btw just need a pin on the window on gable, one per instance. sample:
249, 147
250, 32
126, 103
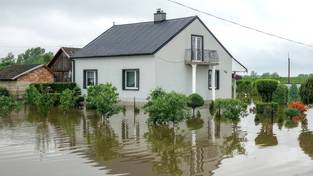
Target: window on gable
197, 47
217, 79
130, 79
90, 78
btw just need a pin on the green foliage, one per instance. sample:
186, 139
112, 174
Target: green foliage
194, 123
294, 93
104, 97
230, 108
266, 88
7, 105
4, 92
291, 112
58, 87
34, 56
306, 91
67, 100
166, 107
31, 95
7, 61
244, 89
41, 98
212, 108
195, 101
280, 95
266, 108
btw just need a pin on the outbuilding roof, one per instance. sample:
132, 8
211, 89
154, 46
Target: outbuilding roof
134, 39
14, 71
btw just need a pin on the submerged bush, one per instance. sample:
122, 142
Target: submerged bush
41, 98
4, 92
195, 101
164, 107
297, 105
266, 108
306, 91
294, 93
230, 108
7, 105
104, 97
266, 88
292, 112
67, 100
280, 95
195, 123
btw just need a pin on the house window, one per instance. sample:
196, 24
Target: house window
217, 79
130, 79
197, 47
90, 78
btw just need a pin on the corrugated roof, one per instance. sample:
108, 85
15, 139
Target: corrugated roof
10, 72
134, 39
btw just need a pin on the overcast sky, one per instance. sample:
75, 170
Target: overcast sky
52, 23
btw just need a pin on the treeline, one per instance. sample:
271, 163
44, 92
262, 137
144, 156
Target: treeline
301, 78
36, 55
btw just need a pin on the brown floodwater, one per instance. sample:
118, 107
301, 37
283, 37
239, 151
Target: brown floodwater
80, 143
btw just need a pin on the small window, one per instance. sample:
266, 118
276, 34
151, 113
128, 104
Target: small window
217, 79
131, 79
197, 47
90, 78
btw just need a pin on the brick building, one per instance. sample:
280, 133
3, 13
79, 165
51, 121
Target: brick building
16, 78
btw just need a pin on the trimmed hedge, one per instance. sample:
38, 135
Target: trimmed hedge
280, 96
4, 92
266, 88
194, 101
266, 108
55, 87
306, 91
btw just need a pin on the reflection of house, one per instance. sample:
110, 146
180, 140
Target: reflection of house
178, 54
16, 78
61, 64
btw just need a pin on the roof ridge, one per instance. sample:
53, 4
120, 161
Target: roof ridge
153, 21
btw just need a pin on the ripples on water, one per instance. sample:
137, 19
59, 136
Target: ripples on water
79, 143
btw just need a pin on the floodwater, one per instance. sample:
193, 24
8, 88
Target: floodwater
80, 143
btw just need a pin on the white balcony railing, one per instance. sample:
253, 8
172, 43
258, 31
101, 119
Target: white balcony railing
210, 57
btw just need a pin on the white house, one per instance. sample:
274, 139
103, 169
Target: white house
178, 54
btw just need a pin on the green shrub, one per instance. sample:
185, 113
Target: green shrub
294, 93
230, 108
306, 91
166, 107
4, 92
291, 112
104, 97
280, 95
244, 89
195, 101
67, 100
266, 88
40, 98
7, 105
266, 108
212, 108
56, 87
195, 123
31, 95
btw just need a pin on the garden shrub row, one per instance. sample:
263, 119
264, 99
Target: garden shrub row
266, 108
55, 87
230, 108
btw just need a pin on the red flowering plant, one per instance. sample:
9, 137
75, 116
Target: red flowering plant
297, 105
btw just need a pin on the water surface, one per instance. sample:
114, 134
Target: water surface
81, 143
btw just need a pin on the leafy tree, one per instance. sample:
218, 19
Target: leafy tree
34, 56
7, 61
266, 88
280, 95
104, 97
166, 107
306, 91
67, 100
294, 93
195, 101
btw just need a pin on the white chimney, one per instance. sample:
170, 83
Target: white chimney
159, 16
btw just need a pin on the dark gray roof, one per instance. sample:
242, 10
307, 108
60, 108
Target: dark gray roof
10, 72
134, 39
70, 51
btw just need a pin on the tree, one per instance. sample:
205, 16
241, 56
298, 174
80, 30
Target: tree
306, 91
34, 56
195, 100
266, 88
104, 97
294, 93
280, 95
7, 61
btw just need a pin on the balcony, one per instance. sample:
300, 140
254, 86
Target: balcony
210, 57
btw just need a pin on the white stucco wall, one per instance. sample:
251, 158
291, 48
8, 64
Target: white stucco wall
166, 69
110, 70
173, 74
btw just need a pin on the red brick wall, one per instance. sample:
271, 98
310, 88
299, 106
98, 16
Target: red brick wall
41, 75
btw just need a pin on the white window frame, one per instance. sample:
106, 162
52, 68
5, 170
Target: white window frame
94, 77
135, 79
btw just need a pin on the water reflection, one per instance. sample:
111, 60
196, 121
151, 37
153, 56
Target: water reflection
266, 136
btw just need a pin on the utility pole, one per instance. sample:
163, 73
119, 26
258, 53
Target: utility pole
288, 68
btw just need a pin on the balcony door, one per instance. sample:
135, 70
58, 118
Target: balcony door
197, 48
